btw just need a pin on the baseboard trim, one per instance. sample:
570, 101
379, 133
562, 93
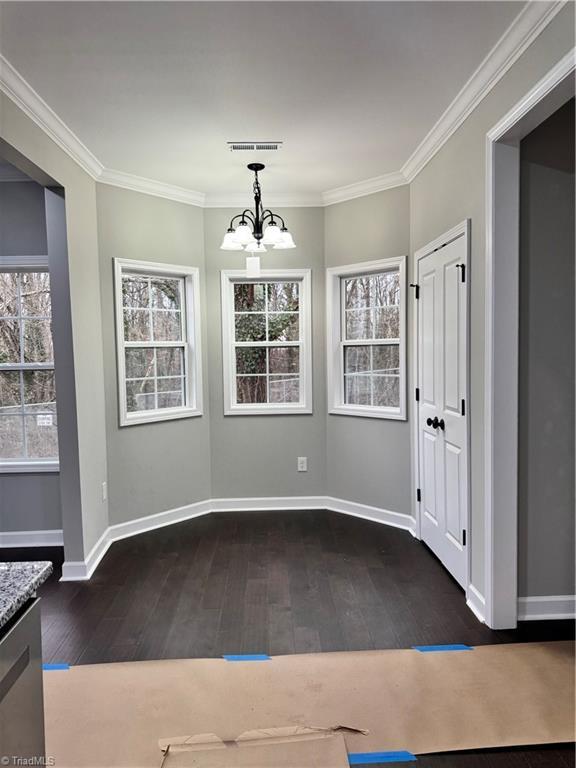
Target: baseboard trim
159, 520
546, 607
50, 538
268, 503
82, 570
373, 514
477, 603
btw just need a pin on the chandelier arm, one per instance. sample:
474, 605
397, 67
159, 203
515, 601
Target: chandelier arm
247, 214
268, 214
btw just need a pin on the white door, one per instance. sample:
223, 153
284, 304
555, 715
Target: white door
442, 407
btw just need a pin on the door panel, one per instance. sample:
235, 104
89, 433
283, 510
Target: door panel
430, 470
428, 292
452, 455
443, 452
451, 337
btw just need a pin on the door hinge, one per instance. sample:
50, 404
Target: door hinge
416, 290
418, 495
417, 393
463, 273
463, 408
463, 537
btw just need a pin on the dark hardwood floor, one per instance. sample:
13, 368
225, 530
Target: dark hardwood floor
276, 583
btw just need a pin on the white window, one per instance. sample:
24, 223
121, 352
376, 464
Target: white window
366, 339
158, 341
28, 418
266, 339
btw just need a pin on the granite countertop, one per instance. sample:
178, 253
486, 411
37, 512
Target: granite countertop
18, 583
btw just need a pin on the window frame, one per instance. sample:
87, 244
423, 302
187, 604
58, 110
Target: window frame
335, 342
229, 277
37, 263
191, 343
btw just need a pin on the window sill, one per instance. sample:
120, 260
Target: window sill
151, 417
29, 467
368, 412
290, 410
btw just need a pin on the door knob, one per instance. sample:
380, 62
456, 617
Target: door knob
435, 423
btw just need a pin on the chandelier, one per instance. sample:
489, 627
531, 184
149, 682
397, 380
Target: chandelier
247, 231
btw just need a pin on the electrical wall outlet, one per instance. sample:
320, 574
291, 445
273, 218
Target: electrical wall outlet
302, 464
104, 491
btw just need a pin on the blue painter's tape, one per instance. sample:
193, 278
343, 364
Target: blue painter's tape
432, 648
54, 667
371, 758
246, 657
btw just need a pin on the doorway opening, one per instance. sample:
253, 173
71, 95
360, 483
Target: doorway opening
39, 473
502, 311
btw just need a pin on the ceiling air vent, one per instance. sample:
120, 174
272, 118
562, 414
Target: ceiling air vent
254, 146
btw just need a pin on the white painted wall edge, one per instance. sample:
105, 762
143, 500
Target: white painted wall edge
49, 538
81, 570
544, 607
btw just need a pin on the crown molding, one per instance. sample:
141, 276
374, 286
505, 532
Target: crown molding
151, 187
363, 188
288, 200
523, 30
25, 97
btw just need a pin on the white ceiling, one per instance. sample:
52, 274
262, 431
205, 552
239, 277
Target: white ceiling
156, 89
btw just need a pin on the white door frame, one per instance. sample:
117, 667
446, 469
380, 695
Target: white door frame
463, 228
501, 337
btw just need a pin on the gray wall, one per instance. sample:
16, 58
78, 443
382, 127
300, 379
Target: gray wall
256, 455
368, 460
546, 381
22, 219
159, 466
451, 188
28, 502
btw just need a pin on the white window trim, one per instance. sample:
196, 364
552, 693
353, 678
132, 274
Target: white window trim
31, 466
335, 373
231, 408
193, 349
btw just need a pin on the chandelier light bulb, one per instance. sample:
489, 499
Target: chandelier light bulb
272, 235
244, 234
229, 243
286, 242
255, 247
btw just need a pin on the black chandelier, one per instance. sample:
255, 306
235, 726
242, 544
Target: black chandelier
252, 231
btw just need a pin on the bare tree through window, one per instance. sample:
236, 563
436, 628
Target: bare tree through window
267, 341
28, 417
154, 342
371, 339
